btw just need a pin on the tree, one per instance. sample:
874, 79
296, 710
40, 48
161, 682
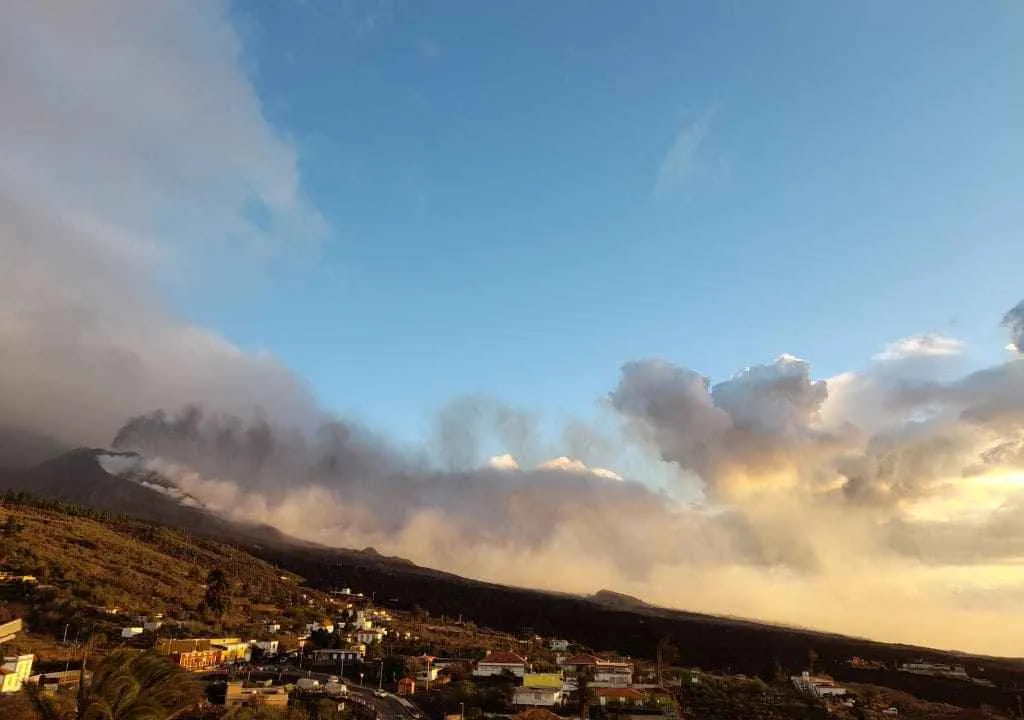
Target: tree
218, 592
667, 655
812, 660
773, 672
583, 693
129, 686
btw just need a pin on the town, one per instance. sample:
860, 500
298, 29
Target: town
89, 599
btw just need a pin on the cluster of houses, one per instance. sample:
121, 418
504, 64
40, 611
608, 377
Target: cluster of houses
610, 680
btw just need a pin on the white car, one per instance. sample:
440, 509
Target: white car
380, 693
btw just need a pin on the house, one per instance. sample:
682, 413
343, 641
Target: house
152, 625
193, 654
539, 690
428, 674
239, 694
335, 656
819, 686
232, 649
603, 673
536, 697
890, 711
619, 696
272, 627
268, 647
327, 625
406, 686
14, 672
368, 637
500, 662
131, 631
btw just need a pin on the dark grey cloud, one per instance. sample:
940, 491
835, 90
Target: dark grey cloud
1014, 322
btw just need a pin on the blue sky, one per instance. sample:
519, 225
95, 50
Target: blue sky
523, 196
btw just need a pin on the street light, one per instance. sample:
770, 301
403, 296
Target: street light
462, 711
360, 679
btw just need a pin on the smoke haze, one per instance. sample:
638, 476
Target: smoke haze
887, 501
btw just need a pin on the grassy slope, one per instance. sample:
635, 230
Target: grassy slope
85, 558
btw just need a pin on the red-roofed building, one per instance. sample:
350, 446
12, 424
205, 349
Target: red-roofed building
619, 696
499, 662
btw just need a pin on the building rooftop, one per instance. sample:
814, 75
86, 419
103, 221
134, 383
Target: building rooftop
504, 658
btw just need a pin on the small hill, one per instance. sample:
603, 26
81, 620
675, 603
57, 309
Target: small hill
610, 598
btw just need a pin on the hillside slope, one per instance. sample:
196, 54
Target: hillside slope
86, 561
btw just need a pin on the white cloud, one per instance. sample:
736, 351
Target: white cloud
503, 462
920, 346
678, 163
134, 150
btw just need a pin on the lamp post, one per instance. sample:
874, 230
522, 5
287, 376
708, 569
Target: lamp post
360, 679
462, 711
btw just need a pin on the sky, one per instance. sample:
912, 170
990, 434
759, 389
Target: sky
512, 189
731, 292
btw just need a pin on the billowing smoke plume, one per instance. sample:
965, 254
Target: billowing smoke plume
1014, 321
761, 420
882, 502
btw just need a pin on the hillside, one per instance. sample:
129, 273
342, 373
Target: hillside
90, 563
77, 477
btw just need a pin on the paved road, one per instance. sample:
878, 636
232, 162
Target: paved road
386, 706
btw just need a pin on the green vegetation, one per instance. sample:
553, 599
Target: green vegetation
127, 685
90, 564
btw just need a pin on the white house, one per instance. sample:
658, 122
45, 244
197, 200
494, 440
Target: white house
499, 662
327, 625
369, 636
817, 686
559, 645
131, 631
152, 625
536, 696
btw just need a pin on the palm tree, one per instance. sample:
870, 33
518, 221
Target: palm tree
130, 686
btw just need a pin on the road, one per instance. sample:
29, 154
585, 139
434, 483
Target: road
386, 706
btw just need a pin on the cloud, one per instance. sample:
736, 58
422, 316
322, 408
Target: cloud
762, 420
678, 164
920, 346
1014, 322
503, 462
134, 151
